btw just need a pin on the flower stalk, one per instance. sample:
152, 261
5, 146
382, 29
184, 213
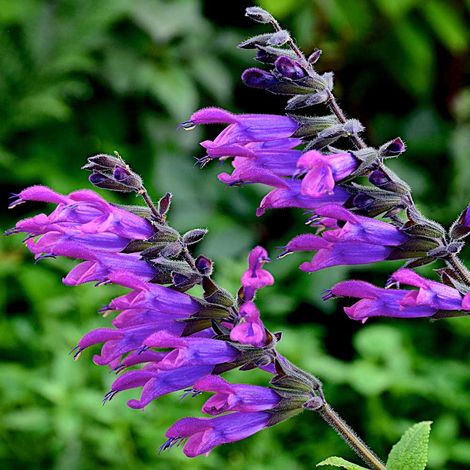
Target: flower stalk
350, 437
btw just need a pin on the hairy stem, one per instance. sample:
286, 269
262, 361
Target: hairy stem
350, 437
145, 195
456, 264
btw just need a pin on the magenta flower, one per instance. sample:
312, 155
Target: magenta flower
291, 196
82, 213
250, 328
203, 434
256, 277
146, 310
156, 382
191, 350
401, 303
361, 240
246, 128
323, 171
235, 397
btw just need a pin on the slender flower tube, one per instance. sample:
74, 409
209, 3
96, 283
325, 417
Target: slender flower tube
203, 434
83, 211
235, 397
146, 310
361, 240
401, 303
246, 128
291, 196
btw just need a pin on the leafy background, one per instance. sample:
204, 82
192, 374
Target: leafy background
79, 77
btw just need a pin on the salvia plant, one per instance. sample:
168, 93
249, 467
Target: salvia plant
167, 338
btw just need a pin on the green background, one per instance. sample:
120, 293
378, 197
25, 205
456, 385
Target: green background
79, 77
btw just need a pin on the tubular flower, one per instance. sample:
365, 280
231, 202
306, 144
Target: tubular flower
82, 214
147, 309
430, 297
245, 128
361, 240
235, 397
203, 434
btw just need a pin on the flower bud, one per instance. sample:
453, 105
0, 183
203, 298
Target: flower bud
258, 14
125, 176
461, 227
104, 182
204, 265
164, 204
289, 68
257, 78
315, 56
102, 162
194, 236
392, 149
184, 281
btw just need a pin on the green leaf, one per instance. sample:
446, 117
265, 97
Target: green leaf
339, 462
411, 451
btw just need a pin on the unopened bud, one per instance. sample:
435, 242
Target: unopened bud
257, 78
258, 14
392, 149
125, 176
194, 236
315, 56
104, 182
102, 162
289, 68
183, 281
164, 204
204, 265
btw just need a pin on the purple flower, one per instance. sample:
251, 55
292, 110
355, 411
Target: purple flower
361, 240
258, 78
292, 196
401, 303
289, 68
323, 171
156, 382
256, 277
246, 128
203, 434
99, 267
235, 397
147, 310
81, 213
191, 350
250, 328
359, 228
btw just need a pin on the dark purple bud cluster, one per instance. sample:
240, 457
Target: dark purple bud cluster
110, 172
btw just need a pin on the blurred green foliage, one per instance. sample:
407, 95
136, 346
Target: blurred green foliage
78, 77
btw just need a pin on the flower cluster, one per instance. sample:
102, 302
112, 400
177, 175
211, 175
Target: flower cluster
296, 155
165, 339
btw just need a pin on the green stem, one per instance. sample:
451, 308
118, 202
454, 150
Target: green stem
350, 437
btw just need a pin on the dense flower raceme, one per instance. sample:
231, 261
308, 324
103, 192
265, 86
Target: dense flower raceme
426, 301
150, 330
264, 151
